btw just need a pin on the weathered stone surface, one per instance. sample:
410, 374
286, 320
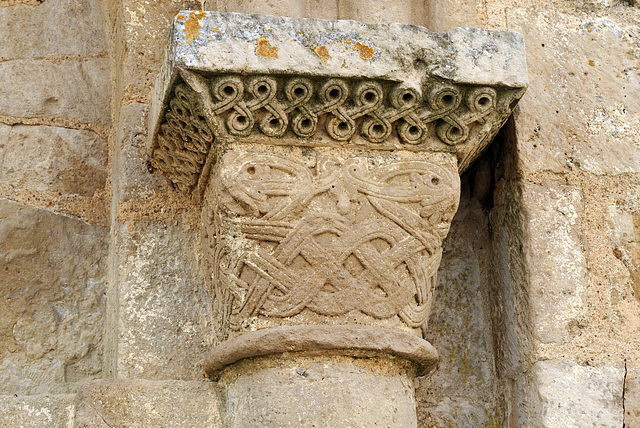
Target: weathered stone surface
318, 339
51, 299
78, 90
162, 303
133, 180
37, 411
632, 399
571, 395
582, 111
143, 403
313, 392
54, 28
52, 158
461, 391
623, 220
554, 254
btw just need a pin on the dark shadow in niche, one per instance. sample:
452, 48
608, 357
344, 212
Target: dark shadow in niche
472, 322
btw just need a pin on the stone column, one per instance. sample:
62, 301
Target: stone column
326, 158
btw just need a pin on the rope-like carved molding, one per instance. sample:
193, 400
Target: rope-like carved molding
293, 110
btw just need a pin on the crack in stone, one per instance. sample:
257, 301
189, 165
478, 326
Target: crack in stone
624, 388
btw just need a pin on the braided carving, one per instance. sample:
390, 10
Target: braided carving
274, 106
339, 237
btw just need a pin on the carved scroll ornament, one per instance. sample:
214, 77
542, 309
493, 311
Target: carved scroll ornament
362, 113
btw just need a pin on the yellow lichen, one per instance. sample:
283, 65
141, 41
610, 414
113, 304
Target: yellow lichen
366, 52
192, 25
323, 53
265, 50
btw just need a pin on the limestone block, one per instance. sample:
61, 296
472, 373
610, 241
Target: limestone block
52, 158
555, 258
161, 302
53, 28
133, 180
376, 12
52, 296
577, 396
632, 399
623, 221
143, 403
37, 411
5, 130
76, 90
330, 391
582, 109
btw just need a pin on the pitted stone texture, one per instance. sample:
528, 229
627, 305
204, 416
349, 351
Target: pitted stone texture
555, 259
571, 395
134, 180
582, 111
73, 90
52, 299
632, 398
201, 41
461, 392
322, 237
37, 411
162, 303
55, 159
54, 28
318, 392
318, 340
144, 403
623, 221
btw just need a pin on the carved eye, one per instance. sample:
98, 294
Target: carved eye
369, 96
448, 99
435, 181
228, 90
251, 170
483, 101
407, 97
298, 91
262, 89
343, 126
334, 93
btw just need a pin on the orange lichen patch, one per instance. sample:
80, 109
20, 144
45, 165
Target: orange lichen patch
366, 52
265, 50
323, 53
591, 63
348, 41
181, 17
192, 25
215, 30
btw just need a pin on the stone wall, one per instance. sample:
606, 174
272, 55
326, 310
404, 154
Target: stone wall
537, 313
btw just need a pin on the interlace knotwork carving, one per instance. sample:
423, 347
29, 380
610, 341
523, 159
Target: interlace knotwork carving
338, 237
184, 139
373, 109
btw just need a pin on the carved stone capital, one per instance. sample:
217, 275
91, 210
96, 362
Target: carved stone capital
327, 157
